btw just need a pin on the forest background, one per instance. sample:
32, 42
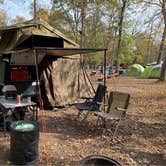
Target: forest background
133, 31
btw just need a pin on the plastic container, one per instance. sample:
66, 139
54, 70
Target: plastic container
18, 99
24, 142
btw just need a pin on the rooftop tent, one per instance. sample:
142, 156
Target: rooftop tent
32, 33
56, 55
134, 70
19, 39
152, 71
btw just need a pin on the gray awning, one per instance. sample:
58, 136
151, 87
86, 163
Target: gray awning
66, 51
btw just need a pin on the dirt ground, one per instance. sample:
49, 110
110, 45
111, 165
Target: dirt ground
66, 141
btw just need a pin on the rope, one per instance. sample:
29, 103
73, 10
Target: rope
86, 76
115, 80
41, 109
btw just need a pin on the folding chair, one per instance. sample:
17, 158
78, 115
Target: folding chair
92, 104
116, 109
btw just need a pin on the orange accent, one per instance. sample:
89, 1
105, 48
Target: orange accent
18, 99
45, 138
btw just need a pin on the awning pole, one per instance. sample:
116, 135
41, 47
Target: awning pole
38, 91
105, 63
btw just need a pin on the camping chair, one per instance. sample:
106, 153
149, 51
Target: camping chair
92, 104
116, 109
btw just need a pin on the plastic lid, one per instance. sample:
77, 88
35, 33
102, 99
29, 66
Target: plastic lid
24, 126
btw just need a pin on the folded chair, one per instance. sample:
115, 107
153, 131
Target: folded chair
92, 104
116, 110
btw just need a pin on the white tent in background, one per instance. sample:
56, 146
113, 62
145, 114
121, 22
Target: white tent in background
154, 63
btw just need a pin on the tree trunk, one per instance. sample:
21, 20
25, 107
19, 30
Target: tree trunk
162, 49
163, 11
149, 46
83, 8
161, 46
120, 33
34, 8
163, 69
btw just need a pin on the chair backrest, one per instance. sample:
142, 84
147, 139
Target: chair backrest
100, 92
118, 100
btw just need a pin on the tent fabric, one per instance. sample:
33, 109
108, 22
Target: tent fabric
134, 70
155, 63
152, 72
37, 27
13, 36
65, 83
2, 70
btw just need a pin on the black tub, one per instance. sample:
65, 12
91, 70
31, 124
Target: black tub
97, 160
24, 142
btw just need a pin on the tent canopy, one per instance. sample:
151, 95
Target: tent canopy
152, 71
32, 33
21, 39
36, 34
66, 51
134, 70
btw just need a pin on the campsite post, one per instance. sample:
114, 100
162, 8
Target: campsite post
38, 92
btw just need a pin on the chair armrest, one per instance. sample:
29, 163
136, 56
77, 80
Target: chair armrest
101, 103
87, 99
121, 109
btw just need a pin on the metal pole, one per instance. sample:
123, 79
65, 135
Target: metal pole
105, 63
38, 91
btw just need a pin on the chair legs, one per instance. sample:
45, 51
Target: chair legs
103, 121
97, 122
116, 128
85, 117
113, 131
79, 114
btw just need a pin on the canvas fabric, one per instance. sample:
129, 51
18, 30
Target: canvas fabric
65, 82
12, 36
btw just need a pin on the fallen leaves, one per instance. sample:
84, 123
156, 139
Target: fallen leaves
142, 143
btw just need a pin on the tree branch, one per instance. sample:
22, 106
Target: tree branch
151, 3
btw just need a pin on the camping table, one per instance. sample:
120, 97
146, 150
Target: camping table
7, 104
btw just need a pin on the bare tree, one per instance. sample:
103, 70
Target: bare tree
163, 11
34, 8
161, 4
163, 69
120, 26
83, 14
